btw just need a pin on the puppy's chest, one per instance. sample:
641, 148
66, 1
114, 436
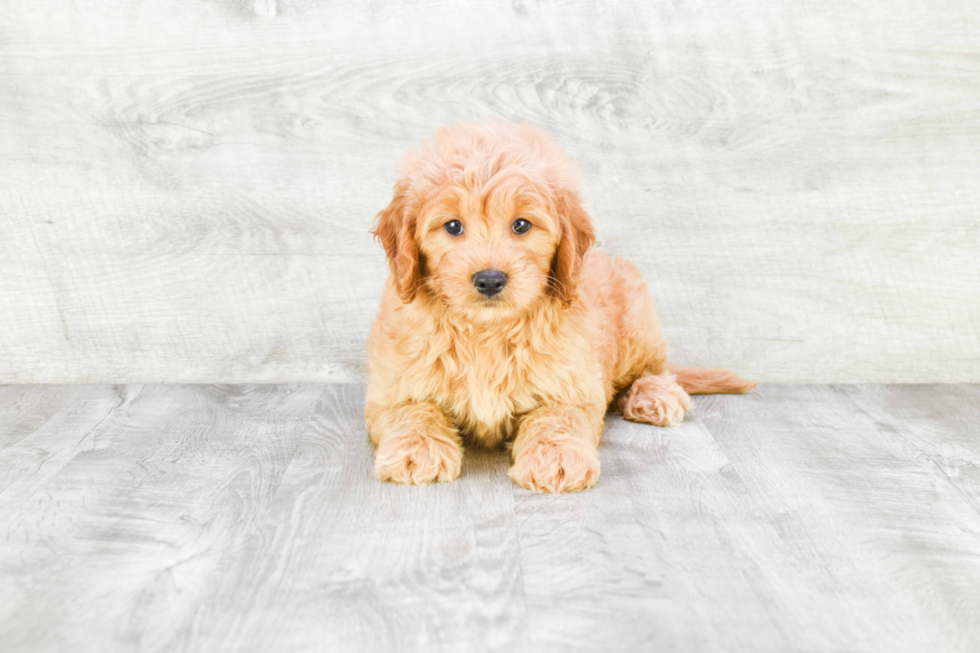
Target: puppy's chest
486, 391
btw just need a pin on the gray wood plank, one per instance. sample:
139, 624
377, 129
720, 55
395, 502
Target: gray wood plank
778, 521
41, 426
141, 505
342, 561
187, 187
860, 516
245, 518
25, 409
942, 422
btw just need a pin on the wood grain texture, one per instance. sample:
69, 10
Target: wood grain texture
186, 187
245, 518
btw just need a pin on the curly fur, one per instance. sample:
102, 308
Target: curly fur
539, 363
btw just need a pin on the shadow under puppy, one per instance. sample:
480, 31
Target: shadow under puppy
499, 322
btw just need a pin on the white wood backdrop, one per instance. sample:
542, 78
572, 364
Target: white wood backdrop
187, 185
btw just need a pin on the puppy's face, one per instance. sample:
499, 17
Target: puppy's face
489, 241
488, 252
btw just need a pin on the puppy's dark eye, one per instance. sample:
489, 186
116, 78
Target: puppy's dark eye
521, 226
454, 227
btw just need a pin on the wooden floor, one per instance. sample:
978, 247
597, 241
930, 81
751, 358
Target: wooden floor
245, 518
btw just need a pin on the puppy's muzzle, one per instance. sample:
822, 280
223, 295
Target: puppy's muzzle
489, 282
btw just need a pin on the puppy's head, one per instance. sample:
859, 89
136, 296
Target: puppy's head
486, 219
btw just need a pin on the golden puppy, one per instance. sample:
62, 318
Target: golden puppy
499, 323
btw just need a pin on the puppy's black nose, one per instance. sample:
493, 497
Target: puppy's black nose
489, 282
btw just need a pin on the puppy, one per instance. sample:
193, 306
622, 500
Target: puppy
499, 323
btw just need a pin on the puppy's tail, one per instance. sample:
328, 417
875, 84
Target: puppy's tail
709, 380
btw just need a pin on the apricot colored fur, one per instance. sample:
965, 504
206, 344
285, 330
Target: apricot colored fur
538, 364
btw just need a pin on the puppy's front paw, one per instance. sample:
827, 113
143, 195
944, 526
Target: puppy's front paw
656, 400
417, 459
556, 465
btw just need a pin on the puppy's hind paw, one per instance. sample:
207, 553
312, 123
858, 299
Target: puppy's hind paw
656, 400
417, 459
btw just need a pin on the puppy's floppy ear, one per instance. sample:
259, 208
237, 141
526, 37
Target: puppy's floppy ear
577, 236
395, 228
